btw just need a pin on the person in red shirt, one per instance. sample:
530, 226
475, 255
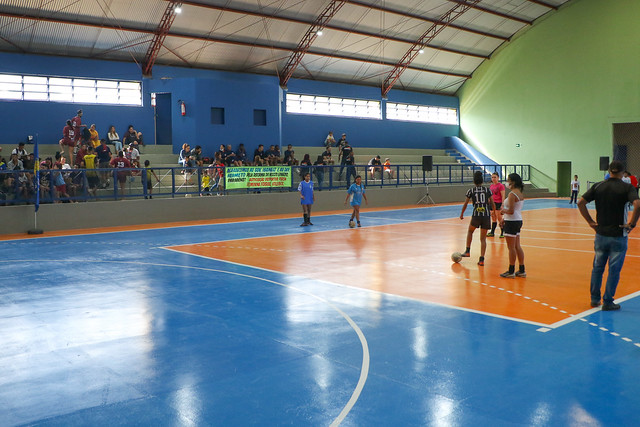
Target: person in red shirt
121, 162
634, 181
76, 122
68, 140
80, 154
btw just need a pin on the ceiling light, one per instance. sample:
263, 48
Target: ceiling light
421, 51
319, 33
178, 9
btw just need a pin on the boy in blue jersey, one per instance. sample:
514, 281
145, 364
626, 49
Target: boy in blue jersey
356, 193
305, 188
483, 205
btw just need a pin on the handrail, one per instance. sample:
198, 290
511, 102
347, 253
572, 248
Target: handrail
17, 187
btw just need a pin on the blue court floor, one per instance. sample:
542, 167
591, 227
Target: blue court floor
115, 329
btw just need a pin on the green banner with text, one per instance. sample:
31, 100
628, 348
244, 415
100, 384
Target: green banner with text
257, 177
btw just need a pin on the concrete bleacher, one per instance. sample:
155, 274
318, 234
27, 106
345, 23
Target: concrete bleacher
161, 156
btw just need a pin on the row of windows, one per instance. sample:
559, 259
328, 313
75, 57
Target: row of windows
60, 89
368, 109
90, 91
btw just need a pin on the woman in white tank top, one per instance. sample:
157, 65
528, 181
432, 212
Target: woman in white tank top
512, 223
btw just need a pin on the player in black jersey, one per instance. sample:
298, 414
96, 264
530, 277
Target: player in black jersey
481, 218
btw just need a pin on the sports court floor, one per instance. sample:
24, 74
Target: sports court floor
263, 322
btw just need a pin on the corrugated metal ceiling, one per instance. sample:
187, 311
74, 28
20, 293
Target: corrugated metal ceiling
360, 44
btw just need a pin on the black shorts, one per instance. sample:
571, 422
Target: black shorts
498, 205
512, 228
93, 180
483, 222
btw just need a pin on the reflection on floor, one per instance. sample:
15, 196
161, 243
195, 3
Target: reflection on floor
264, 322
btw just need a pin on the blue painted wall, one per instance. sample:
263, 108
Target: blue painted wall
22, 118
305, 130
239, 94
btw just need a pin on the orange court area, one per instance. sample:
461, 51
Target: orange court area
413, 260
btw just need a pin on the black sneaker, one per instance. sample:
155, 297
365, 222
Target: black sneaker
610, 306
521, 274
309, 223
508, 275
465, 254
595, 303
304, 224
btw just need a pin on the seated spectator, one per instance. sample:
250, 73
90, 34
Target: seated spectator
130, 137
183, 157
197, 155
231, 158
329, 140
306, 161
259, 156
94, 139
140, 140
292, 158
223, 152
81, 153
375, 166
75, 182
241, 156
114, 138
287, 154
326, 156
45, 182
30, 163
277, 155
15, 163
133, 155
387, 168
271, 157
21, 152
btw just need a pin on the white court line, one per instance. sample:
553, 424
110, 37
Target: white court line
364, 370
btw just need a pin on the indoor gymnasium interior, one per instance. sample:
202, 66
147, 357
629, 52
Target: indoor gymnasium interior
187, 296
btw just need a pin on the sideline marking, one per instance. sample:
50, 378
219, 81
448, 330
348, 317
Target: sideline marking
364, 370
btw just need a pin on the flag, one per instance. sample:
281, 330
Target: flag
36, 171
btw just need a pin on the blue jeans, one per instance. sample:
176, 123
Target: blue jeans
613, 250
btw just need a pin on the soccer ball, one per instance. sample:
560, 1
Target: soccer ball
456, 257
352, 224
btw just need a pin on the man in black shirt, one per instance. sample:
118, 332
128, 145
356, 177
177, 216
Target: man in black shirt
345, 152
612, 228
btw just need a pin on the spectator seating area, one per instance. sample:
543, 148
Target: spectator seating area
449, 167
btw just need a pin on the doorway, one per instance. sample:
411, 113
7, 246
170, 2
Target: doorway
163, 119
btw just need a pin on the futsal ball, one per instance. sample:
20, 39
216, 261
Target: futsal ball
352, 224
456, 257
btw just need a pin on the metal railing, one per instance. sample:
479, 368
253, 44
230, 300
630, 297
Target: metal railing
18, 187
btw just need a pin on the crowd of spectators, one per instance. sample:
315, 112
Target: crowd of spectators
70, 175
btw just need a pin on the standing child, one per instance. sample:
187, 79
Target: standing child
147, 176
575, 189
498, 192
355, 193
512, 223
481, 217
305, 188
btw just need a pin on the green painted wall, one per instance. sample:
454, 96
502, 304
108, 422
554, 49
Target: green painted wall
557, 89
